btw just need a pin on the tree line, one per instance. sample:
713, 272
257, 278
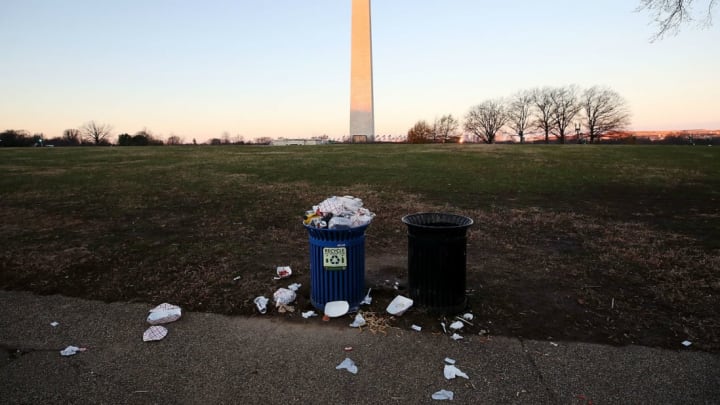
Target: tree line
547, 111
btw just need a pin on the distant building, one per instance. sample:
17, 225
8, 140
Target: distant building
301, 142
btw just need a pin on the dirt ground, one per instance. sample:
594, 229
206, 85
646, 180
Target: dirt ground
531, 273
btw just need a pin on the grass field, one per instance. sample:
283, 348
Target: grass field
612, 244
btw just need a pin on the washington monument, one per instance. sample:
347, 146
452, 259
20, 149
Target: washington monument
362, 118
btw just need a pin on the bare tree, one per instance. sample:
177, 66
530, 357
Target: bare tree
669, 15
485, 120
445, 127
542, 101
519, 113
174, 140
605, 111
71, 136
565, 107
95, 132
421, 132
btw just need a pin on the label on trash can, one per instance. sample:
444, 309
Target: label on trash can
335, 258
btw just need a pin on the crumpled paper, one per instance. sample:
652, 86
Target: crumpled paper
349, 365
261, 304
164, 313
72, 350
443, 395
358, 322
451, 372
154, 333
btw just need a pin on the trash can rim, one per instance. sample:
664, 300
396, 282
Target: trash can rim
462, 221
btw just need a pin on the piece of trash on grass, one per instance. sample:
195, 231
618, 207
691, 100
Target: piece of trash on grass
448, 360
457, 325
468, 317
154, 333
294, 286
368, 299
164, 313
483, 332
443, 326
54, 324
416, 328
349, 365
455, 336
283, 272
308, 314
237, 278
72, 350
399, 305
396, 285
554, 344
348, 348
686, 343
282, 308
443, 395
283, 296
450, 372
463, 320
334, 309
261, 304
358, 322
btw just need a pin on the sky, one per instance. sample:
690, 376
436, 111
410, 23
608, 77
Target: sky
281, 68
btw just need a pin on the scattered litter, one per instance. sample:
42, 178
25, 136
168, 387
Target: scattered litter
164, 313
282, 308
368, 299
686, 343
358, 322
457, 325
396, 285
155, 333
553, 344
349, 365
261, 304
455, 336
443, 326
468, 316
443, 395
451, 372
294, 286
416, 328
334, 309
399, 305
283, 272
283, 296
348, 348
71, 350
464, 320
448, 360
483, 332
237, 278
309, 314
54, 324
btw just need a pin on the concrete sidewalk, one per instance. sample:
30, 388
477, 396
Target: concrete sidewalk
214, 359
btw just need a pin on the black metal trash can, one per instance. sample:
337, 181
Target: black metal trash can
437, 258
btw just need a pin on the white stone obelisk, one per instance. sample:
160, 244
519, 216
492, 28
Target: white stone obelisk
362, 117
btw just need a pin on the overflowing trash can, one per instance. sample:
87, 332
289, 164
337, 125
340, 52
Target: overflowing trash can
336, 229
437, 259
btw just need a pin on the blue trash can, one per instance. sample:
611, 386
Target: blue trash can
337, 266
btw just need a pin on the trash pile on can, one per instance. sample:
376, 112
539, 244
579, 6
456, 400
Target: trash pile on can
338, 213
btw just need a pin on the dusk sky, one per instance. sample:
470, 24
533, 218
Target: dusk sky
281, 68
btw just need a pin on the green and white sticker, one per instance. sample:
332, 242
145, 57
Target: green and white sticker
335, 258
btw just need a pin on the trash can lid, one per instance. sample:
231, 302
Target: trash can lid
437, 220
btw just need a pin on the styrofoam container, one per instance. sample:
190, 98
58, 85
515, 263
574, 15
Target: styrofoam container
399, 305
333, 309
